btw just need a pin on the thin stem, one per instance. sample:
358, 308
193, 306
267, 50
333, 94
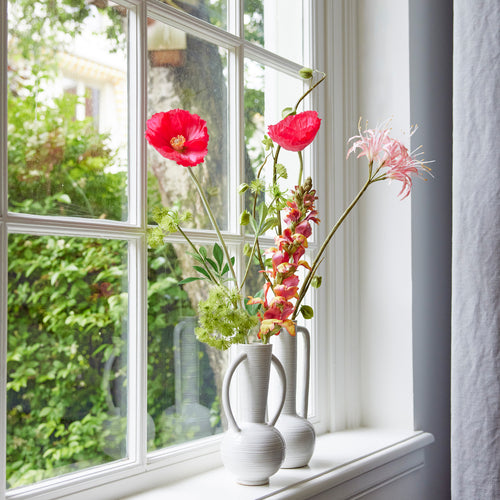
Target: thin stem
212, 277
316, 262
310, 90
275, 181
214, 224
301, 167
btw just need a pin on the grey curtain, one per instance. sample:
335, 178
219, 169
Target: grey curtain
475, 394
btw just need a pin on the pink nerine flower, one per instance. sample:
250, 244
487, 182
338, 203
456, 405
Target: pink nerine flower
389, 156
372, 144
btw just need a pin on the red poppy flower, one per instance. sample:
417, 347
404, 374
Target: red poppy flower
179, 136
295, 132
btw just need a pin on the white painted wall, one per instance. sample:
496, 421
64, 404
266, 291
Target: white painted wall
384, 222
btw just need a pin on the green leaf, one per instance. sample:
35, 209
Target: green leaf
196, 257
269, 224
203, 252
203, 271
281, 171
213, 264
188, 280
218, 254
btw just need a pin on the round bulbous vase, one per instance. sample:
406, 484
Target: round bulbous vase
296, 430
252, 449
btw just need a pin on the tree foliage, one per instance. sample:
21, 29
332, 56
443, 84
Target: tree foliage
68, 295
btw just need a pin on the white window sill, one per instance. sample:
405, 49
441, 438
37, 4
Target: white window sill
371, 457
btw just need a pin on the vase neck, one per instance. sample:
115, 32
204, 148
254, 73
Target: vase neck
285, 349
253, 381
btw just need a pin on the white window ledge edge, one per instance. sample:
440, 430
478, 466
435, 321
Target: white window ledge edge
346, 463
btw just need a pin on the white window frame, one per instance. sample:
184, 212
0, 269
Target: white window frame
202, 454
354, 462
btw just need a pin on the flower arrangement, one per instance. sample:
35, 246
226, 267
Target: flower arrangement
226, 317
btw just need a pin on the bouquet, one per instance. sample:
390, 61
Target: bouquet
226, 316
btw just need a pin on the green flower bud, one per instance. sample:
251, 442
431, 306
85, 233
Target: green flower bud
306, 73
244, 218
247, 249
287, 111
316, 282
243, 187
307, 312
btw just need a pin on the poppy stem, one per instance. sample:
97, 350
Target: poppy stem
301, 167
310, 90
275, 181
214, 224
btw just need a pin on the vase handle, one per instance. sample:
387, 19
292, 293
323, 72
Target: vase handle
307, 349
282, 376
225, 391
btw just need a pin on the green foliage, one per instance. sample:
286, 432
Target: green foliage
67, 305
56, 164
67, 296
254, 21
222, 323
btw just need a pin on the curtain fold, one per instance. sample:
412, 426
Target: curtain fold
475, 392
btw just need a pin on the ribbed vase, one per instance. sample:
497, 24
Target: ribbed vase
252, 449
296, 430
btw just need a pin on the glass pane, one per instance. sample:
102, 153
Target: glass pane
276, 26
188, 73
67, 108
184, 375
267, 92
211, 11
66, 359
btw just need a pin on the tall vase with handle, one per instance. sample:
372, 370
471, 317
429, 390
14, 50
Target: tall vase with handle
296, 430
253, 450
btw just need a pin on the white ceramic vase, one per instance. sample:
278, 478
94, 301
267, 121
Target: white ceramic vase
296, 430
252, 449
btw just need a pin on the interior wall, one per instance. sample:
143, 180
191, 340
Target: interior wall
384, 222
431, 78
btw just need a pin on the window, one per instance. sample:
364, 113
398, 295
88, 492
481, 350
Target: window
103, 375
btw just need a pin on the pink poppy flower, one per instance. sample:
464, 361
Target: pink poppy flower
179, 136
295, 132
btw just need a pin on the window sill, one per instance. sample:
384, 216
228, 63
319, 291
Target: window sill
373, 457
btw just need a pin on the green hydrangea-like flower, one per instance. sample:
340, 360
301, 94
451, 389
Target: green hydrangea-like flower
222, 323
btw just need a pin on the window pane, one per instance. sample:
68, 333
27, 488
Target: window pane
67, 109
188, 73
267, 92
184, 375
66, 360
276, 26
211, 11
